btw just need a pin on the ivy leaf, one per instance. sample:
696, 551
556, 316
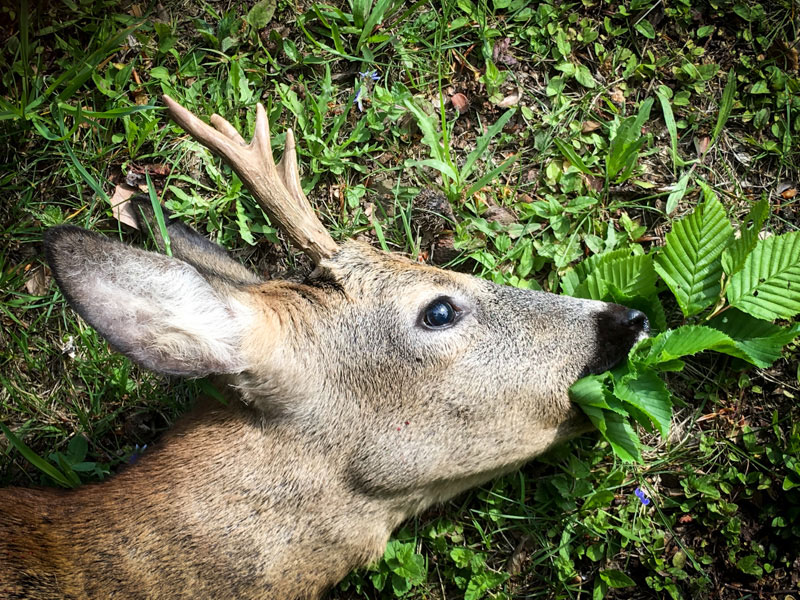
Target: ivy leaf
689, 263
768, 284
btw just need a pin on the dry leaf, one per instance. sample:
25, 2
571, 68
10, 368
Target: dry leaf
38, 282
701, 144
589, 126
617, 97
459, 102
509, 101
786, 190
121, 207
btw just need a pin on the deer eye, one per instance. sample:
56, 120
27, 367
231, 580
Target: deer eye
439, 314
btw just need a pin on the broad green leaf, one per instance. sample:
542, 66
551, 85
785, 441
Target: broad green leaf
569, 153
689, 263
592, 391
616, 579
632, 276
735, 254
689, 340
647, 392
677, 193
623, 439
444, 168
576, 275
768, 284
761, 340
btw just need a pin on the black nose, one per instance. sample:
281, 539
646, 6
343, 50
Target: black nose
635, 319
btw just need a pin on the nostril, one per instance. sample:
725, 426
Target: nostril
636, 319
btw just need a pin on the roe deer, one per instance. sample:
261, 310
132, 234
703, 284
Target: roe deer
373, 389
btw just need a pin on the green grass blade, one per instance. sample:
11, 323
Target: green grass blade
768, 284
36, 460
689, 263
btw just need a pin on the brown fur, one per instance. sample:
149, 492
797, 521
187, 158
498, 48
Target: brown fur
346, 416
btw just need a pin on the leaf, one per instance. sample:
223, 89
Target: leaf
616, 579
677, 193
632, 276
647, 392
735, 254
672, 128
646, 29
623, 439
569, 153
768, 284
725, 107
761, 340
689, 340
36, 460
584, 76
689, 263
482, 143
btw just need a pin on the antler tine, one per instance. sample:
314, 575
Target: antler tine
288, 170
275, 187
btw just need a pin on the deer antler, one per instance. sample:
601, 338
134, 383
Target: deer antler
276, 187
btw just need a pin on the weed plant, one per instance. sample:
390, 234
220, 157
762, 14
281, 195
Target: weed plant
577, 147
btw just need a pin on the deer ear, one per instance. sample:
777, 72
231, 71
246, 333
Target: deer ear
158, 311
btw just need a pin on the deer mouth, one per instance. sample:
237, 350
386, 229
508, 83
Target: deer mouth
618, 329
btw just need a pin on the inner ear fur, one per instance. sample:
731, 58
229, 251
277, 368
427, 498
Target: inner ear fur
159, 311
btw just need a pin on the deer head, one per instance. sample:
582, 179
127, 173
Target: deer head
406, 382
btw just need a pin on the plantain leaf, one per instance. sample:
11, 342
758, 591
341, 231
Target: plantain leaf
768, 284
689, 263
735, 254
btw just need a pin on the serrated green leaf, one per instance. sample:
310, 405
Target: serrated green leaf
689, 340
735, 254
576, 275
768, 284
647, 392
689, 263
761, 340
631, 276
623, 439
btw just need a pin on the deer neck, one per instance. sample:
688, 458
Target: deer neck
222, 507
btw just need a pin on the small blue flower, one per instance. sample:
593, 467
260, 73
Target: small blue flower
642, 496
369, 75
137, 452
358, 100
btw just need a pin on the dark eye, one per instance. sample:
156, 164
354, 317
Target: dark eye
438, 314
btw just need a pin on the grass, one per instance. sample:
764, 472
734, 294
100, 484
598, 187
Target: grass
564, 176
